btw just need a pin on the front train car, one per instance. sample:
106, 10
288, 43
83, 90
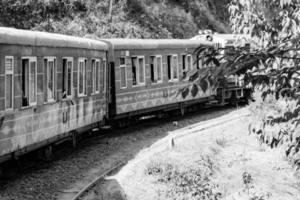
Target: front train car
51, 86
148, 75
235, 90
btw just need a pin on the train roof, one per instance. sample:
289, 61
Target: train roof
223, 38
36, 38
126, 44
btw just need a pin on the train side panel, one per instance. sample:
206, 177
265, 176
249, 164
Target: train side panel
153, 96
24, 126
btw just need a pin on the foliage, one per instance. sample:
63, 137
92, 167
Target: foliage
130, 18
185, 182
272, 66
274, 25
267, 20
28, 13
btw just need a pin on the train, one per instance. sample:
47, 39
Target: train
54, 87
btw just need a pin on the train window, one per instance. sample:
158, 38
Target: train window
169, 67
82, 77
9, 71
175, 67
189, 62
29, 81
172, 67
67, 77
123, 73
49, 63
134, 70
200, 63
96, 76
103, 75
159, 68
155, 69
138, 70
183, 63
141, 70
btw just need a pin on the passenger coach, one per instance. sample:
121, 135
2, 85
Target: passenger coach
146, 76
50, 86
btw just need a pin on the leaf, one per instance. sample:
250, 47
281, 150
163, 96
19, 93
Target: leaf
194, 76
194, 90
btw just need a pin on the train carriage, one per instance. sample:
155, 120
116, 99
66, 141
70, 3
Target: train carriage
50, 86
147, 75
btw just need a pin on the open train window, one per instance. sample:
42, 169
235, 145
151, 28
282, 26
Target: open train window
50, 65
67, 81
169, 58
9, 76
96, 76
123, 73
82, 76
184, 70
153, 71
172, 62
156, 69
138, 70
29, 81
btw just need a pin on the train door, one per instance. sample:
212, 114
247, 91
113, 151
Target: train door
111, 89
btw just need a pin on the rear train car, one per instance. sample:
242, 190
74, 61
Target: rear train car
51, 87
146, 76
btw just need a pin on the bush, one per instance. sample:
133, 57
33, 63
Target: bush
191, 181
281, 132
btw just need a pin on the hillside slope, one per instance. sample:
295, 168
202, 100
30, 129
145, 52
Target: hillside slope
129, 19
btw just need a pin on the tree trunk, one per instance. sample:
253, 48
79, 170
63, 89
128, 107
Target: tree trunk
110, 10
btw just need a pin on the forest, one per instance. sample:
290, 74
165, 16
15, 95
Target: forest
117, 18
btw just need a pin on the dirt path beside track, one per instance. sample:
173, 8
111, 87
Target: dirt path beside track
241, 168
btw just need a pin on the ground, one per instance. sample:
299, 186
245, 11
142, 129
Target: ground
218, 137
241, 167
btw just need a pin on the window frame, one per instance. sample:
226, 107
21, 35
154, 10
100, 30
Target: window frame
156, 69
104, 62
177, 61
72, 76
123, 66
12, 89
161, 69
54, 60
172, 79
84, 60
138, 71
191, 63
30, 59
95, 89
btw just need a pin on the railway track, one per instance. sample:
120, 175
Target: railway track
90, 185
65, 170
165, 143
